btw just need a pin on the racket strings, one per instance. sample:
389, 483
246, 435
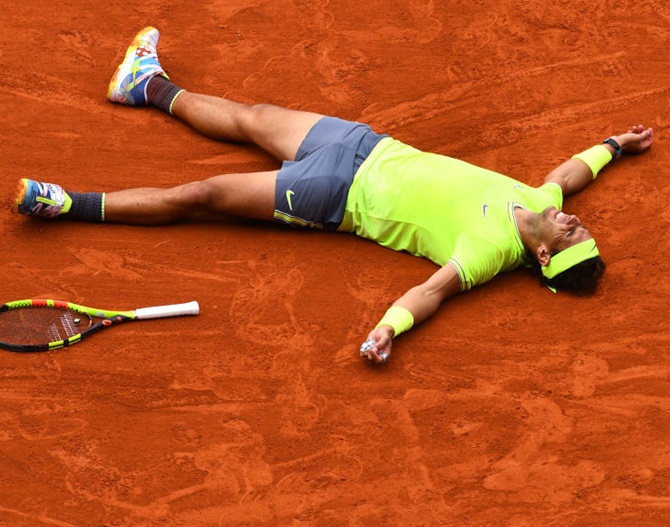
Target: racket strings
37, 325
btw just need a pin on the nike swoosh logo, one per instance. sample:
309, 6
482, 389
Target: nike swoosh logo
484, 207
289, 193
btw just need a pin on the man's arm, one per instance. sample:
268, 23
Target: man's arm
420, 302
575, 174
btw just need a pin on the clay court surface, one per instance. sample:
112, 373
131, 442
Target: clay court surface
513, 407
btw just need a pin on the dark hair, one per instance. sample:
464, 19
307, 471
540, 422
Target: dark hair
581, 278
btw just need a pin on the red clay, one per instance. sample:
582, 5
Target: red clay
512, 407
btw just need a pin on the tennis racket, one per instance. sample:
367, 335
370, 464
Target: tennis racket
44, 325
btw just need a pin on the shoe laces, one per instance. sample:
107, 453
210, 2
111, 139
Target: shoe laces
146, 51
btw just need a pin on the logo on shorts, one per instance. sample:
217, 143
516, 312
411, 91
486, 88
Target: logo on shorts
289, 193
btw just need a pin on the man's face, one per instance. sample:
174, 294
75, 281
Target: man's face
560, 231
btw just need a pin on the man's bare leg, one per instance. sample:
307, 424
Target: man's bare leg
278, 131
250, 195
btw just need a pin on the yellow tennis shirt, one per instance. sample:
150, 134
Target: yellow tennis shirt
443, 209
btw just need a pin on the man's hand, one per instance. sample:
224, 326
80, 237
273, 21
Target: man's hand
381, 342
636, 140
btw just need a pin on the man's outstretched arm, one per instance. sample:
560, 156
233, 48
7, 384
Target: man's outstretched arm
578, 172
415, 306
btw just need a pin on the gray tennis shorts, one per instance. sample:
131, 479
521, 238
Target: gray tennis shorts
312, 190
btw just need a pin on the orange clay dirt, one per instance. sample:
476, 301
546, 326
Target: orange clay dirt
511, 407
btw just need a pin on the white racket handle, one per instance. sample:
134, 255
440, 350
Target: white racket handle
174, 310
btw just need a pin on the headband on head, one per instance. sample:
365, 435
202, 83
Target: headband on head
570, 257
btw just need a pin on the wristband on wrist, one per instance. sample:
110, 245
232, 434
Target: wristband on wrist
595, 158
399, 318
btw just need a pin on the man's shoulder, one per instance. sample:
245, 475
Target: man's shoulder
539, 198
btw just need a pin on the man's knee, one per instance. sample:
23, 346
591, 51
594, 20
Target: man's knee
260, 114
195, 196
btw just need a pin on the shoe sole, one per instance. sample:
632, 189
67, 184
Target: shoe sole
125, 68
20, 196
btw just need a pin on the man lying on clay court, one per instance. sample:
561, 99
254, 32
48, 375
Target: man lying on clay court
342, 176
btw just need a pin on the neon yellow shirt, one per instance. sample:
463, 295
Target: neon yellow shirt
443, 209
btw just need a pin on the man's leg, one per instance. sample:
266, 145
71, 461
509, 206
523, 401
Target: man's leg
278, 131
140, 81
250, 195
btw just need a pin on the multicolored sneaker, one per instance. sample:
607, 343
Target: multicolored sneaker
129, 84
40, 199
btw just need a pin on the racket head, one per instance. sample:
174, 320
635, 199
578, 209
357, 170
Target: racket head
41, 325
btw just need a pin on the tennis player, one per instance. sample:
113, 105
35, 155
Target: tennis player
342, 176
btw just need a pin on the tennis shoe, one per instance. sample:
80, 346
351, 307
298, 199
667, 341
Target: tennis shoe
129, 84
46, 200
